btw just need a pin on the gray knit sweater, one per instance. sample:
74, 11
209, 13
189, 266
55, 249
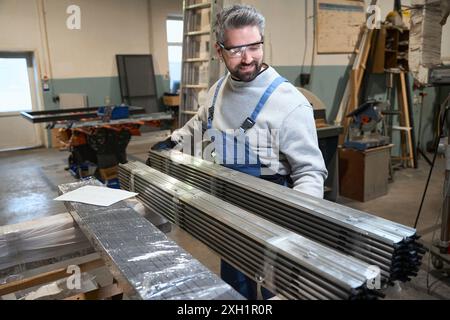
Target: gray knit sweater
287, 110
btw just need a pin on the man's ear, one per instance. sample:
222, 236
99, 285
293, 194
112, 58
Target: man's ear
218, 51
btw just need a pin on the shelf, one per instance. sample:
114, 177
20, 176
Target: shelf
196, 86
197, 33
198, 6
189, 112
194, 60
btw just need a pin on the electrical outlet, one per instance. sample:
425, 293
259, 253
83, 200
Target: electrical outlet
304, 79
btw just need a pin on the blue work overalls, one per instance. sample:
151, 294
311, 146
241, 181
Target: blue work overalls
239, 281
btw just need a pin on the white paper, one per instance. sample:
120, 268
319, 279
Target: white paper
99, 196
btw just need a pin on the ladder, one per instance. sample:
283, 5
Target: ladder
200, 66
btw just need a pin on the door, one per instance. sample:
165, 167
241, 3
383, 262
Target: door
17, 93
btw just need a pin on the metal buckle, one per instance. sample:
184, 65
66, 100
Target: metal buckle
248, 123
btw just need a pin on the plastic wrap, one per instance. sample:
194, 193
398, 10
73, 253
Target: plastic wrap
29, 244
141, 258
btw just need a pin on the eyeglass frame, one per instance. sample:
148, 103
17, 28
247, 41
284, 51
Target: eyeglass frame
245, 46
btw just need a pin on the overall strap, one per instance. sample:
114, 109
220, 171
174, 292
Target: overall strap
211, 109
250, 121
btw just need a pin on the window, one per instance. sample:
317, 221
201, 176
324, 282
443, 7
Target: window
15, 91
175, 47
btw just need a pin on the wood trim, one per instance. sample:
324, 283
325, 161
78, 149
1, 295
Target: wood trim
98, 294
47, 277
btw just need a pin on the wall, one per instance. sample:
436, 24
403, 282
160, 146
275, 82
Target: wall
83, 61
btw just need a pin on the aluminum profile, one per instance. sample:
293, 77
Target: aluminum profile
377, 241
282, 261
146, 264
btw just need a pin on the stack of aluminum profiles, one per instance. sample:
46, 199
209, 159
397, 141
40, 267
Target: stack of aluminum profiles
146, 264
282, 261
391, 246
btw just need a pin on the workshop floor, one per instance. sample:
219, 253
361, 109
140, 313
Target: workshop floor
29, 180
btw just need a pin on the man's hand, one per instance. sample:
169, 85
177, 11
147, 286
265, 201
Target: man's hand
164, 145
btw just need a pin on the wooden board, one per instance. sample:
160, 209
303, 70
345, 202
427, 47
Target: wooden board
338, 25
47, 277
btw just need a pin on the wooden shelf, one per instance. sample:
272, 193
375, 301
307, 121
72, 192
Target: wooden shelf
198, 6
391, 43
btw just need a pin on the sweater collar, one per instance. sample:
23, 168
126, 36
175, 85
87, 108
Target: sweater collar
261, 79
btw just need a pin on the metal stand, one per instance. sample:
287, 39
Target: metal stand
441, 256
419, 147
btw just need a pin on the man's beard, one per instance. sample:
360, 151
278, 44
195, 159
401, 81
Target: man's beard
238, 74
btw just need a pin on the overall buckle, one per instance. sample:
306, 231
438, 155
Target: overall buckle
248, 124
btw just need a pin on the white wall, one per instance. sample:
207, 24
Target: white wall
19, 25
108, 27
159, 11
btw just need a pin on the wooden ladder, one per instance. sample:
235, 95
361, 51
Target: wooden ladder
407, 147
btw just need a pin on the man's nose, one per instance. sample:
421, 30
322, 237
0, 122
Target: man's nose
246, 57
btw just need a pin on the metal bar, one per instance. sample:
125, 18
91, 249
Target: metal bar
203, 214
68, 114
377, 241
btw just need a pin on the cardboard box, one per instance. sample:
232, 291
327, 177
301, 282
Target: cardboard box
109, 173
55, 143
171, 100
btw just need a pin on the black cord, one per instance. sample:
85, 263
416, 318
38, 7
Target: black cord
432, 166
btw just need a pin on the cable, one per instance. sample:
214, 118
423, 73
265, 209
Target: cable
306, 37
441, 127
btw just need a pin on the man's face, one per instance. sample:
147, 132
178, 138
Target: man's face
246, 65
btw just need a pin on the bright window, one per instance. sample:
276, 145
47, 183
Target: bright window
15, 92
175, 46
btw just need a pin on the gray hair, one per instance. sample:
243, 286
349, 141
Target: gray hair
238, 16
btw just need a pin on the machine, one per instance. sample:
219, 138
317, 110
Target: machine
97, 137
365, 131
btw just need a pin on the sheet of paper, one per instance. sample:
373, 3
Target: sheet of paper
99, 196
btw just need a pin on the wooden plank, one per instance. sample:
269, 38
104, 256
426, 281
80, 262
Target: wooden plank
47, 277
352, 102
357, 76
98, 294
406, 116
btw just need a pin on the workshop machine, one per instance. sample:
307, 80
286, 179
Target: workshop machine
366, 127
97, 137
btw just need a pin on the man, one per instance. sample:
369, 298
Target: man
251, 98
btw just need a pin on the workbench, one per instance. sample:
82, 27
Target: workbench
364, 174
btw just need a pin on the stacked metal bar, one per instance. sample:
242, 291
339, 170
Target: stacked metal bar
141, 258
391, 246
284, 262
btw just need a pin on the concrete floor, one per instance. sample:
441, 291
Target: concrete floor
30, 179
